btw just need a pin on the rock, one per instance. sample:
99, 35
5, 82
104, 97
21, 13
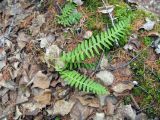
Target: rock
120, 87
99, 116
141, 116
106, 76
128, 112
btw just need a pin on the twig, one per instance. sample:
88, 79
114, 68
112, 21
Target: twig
110, 15
135, 103
126, 64
129, 62
97, 67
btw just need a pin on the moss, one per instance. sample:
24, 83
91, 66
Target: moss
147, 41
95, 20
149, 92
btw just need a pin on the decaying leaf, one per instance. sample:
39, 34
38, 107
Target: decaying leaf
148, 25
46, 41
8, 84
52, 53
120, 87
106, 9
80, 112
78, 2
88, 102
44, 97
63, 107
22, 96
22, 39
40, 80
18, 113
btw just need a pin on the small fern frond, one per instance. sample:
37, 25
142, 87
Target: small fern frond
72, 66
90, 47
69, 17
81, 82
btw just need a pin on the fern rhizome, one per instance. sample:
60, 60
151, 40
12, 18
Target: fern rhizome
87, 49
69, 15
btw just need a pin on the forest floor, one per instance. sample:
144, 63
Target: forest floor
31, 45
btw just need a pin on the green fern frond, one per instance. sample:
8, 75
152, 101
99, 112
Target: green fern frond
72, 66
90, 47
81, 82
69, 17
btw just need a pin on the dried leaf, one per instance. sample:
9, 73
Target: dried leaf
63, 107
40, 80
44, 97
46, 41
106, 9
8, 84
89, 102
22, 96
148, 25
78, 2
17, 113
80, 112
120, 87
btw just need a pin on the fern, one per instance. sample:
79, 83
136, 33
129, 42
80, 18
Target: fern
72, 66
89, 48
69, 17
82, 82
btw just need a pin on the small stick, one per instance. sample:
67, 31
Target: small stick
129, 62
135, 103
97, 67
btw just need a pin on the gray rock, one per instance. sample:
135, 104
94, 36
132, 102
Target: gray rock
141, 116
128, 112
106, 76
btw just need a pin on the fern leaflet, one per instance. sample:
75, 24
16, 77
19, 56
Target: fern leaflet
68, 16
82, 82
89, 48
